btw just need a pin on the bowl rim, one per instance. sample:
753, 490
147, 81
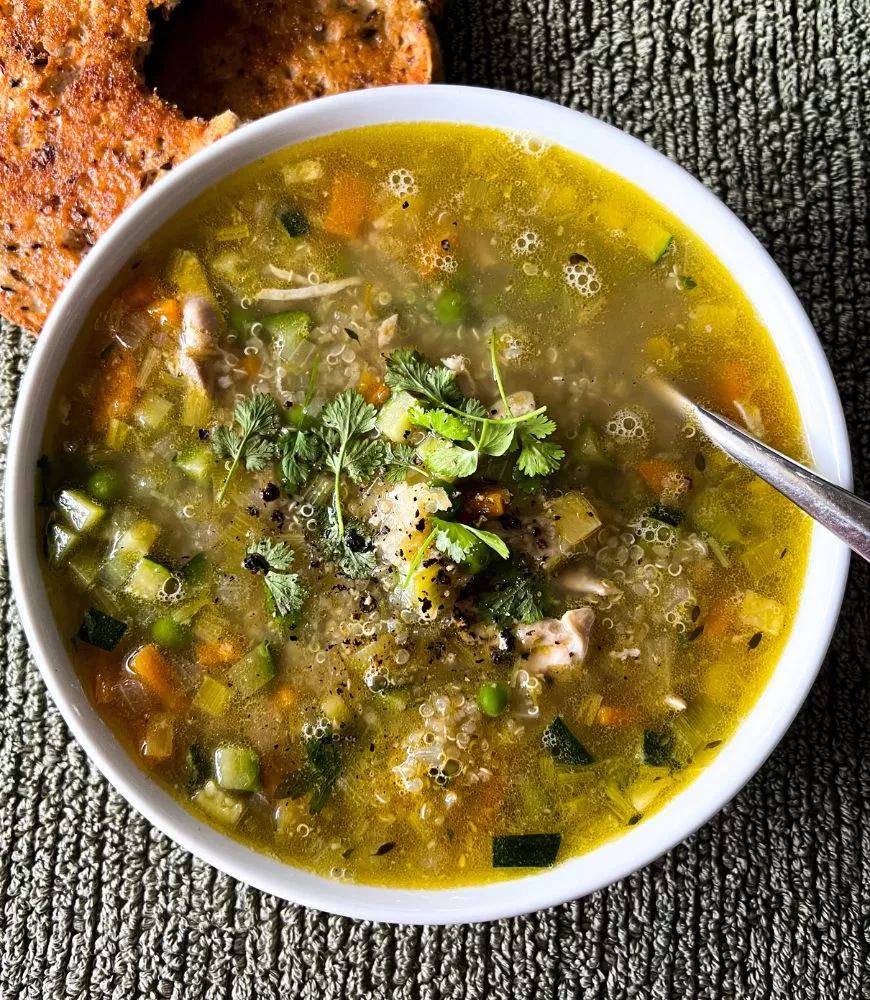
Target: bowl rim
812, 382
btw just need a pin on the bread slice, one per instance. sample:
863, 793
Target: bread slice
82, 134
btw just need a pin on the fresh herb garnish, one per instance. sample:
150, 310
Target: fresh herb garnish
658, 748
402, 459
259, 421
285, 591
301, 453
345, 421
512, 592
318, 776
538, 457
455, 540
351, 549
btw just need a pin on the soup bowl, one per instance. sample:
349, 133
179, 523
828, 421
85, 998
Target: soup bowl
777, 308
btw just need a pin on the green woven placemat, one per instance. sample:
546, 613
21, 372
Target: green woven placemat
767, 102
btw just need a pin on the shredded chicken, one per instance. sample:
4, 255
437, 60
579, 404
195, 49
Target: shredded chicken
200, 329
521, 403
551, 645
387, 330
457, 363
306, 291
581, 580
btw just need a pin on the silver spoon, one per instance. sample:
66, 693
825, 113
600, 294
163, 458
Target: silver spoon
841, 512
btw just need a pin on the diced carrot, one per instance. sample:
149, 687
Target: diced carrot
156, 672
118, 390
139, 292
284, 698
167, 312
490, 502
218, 654
656, 472
615, 715
251, 363
373, 388
733, 383
347, 207
719, 619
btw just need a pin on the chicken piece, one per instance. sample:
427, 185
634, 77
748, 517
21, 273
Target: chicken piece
200, 329
521, 403
582, 580
548, 647
387, 330
456, 363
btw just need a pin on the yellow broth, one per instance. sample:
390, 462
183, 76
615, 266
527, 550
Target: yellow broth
367, 756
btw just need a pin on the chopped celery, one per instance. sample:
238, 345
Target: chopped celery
84, 566
237, 768
82, 514
117, 434
253, 671
152, 582
159, 736
574, 520
392, 421
712, 513
60, 540
149, 365
101, 630
232, 233
762, 559
762, 613
303, 172
152, 412
210, 625
212, 696
291, 335
196, 462
648, 787
218, 804
196, 409
186, 612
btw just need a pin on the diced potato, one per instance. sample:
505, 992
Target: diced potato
393, 421
651, 238
762, 613
428, 594
574, 520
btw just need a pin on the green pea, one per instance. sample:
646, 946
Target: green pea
450, 308
106, 485
167, 632
493, 698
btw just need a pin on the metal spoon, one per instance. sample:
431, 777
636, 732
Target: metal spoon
841, 512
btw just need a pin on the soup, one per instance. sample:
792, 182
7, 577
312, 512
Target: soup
372, 539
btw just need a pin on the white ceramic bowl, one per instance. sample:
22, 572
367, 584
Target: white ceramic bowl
778, 309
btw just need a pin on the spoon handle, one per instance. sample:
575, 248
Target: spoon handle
841, 512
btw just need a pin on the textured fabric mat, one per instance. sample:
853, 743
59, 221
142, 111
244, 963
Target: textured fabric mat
766, 101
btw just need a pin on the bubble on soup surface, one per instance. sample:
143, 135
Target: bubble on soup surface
627, 425
402, 183
654, 532
583, 278
526, 243
529, 142
440, 261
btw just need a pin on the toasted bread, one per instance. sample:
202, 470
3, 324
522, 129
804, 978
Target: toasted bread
82, 134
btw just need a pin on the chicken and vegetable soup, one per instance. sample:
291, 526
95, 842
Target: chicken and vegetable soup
372, 540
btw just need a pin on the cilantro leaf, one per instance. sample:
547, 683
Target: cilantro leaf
538, 426
259, 420
349, 415
287, 591
317, 776
349, 547
538, 458
301, 453
512, 592
276, 555
345, 419
496, 438
401, 460
364, 459
449, 461
458, 540
413, 372
441, 422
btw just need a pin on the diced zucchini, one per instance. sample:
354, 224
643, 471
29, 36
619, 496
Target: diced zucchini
525, 850
237, 768
255, 669
212, 696
218, 804
186, 612
84, 566
649, 237
196, 462
295, 223
101, 630
290, 333
197, 767
82, 513
152, 582
574, 520
159, 737
196, 409
138, 538
563, 745
170, 633
393, 422
130, 546
196, 572
762, 613
60, 540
